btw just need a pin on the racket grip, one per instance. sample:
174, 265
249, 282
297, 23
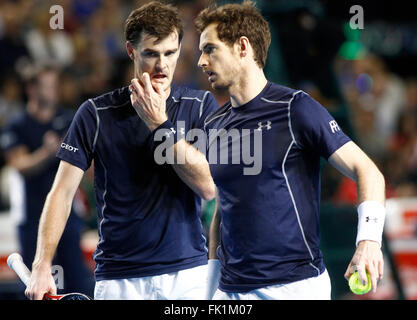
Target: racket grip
15, 262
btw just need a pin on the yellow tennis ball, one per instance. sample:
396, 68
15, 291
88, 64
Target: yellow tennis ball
356, 285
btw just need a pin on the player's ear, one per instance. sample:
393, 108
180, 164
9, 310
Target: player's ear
243, 46
130, 51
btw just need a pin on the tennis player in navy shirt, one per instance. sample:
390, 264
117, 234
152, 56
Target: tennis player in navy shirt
151, 244
268, 240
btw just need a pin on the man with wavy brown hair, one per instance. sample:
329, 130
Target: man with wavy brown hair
151, 244
269, 234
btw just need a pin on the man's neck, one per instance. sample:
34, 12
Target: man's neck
251, 83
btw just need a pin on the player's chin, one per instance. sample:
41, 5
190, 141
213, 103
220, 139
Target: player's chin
160, 82
218, 85
163, 85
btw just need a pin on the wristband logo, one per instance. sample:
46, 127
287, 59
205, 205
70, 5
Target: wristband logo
375, 220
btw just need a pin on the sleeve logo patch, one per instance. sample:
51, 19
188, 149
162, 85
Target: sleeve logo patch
334, 126
68, 147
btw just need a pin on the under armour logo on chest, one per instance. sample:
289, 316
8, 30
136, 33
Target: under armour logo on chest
267, 125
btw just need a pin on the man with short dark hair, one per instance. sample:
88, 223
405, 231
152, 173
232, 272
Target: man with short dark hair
269, 237
151, 244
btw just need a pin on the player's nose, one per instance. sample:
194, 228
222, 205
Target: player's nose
160, 68
202, 61
161, 64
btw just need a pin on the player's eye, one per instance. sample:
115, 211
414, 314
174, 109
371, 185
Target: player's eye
170, 53
208, 49
150, 54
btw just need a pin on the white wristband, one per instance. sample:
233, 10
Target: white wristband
371, 217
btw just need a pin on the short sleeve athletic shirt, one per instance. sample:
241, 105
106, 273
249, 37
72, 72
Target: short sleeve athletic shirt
148, 218
270, 213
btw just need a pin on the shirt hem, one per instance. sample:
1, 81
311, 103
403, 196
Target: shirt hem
244, 288
137, 273
72, 162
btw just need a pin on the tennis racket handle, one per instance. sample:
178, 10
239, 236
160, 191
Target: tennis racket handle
15, 262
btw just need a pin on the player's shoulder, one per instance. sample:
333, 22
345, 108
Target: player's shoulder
276, 93
117, 98
299, 101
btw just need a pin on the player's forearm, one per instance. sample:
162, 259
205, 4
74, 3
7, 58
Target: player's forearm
193, 168
355, 164
370, 184
31, 163
51, 226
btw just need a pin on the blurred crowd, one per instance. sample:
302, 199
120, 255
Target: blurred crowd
90, 50
90, 53
383, 114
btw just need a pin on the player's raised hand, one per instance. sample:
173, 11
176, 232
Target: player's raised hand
149, 101
368, 256
51, 142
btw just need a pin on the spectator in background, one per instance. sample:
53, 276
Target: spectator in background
10, 97
401, 162
30, 142
70, 91
46, 45
384, 113
377, 97
12, 45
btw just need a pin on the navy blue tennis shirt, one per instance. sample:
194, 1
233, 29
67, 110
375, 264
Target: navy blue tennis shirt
148, 218
270, 219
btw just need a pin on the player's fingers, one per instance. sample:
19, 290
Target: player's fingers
52, 287
137, 87
373, 276
28, 293
348, 272
136, 100
38, 294
133, 97
147, 84
381, 269
362, 274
